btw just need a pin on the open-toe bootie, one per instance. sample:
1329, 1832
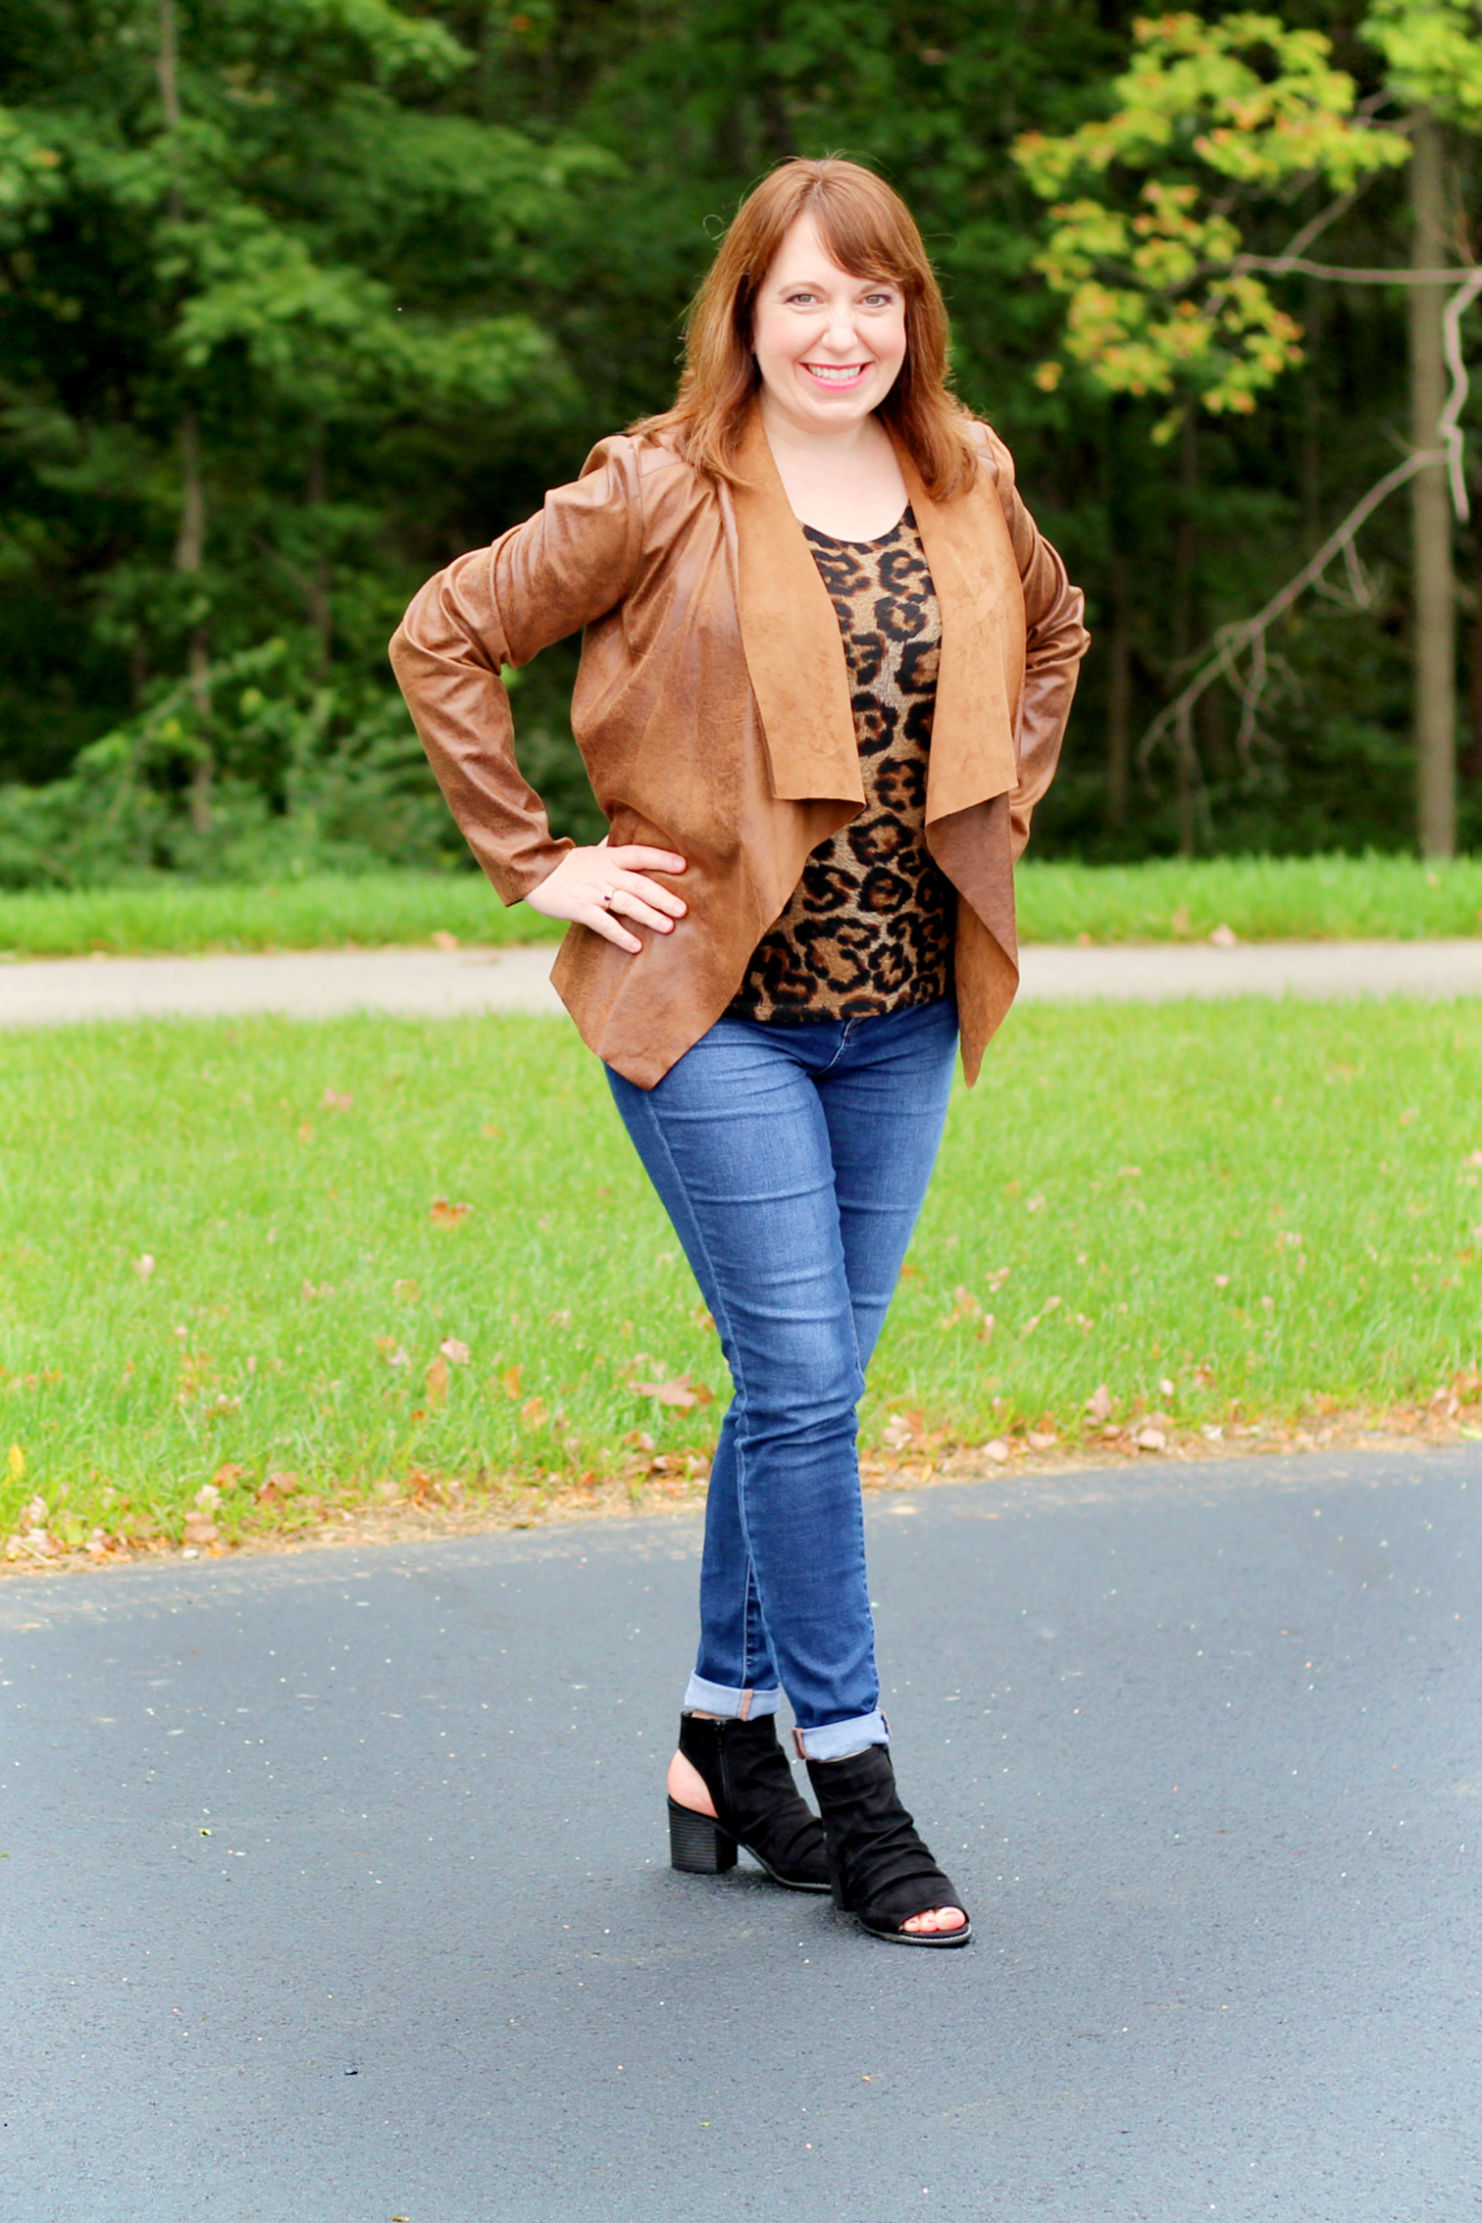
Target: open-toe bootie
756, 1803
881, 1872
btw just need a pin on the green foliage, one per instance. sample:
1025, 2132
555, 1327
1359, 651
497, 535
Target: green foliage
1434, 52
1207, 114
391, 270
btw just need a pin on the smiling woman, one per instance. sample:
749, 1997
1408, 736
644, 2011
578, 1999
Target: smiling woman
828, 660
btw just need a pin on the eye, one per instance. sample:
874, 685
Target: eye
803, 295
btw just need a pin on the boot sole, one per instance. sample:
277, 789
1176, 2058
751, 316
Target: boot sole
699, 1846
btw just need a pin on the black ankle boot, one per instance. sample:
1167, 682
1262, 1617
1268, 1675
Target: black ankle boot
881, 1872
745, 1770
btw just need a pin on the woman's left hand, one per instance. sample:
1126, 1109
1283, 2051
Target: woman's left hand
602, 886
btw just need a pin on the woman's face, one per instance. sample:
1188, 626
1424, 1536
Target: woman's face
829, 345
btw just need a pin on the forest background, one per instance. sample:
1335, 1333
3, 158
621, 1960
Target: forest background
300, 298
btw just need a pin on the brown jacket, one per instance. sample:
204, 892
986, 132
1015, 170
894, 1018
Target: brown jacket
712, 710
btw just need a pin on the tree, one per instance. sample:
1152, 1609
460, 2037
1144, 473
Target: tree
231, 233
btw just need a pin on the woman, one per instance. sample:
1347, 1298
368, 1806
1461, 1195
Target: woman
827, 666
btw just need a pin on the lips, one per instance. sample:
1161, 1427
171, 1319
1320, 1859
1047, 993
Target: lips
836, 374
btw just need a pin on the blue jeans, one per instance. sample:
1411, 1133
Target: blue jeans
792, 1160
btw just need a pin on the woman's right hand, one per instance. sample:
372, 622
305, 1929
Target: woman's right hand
602, 886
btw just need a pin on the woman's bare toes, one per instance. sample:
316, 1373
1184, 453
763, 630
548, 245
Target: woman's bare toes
935, 1918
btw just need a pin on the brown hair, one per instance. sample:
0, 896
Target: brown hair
869, 231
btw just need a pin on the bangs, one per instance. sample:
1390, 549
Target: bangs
861, 234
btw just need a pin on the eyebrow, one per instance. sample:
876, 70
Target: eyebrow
786, 285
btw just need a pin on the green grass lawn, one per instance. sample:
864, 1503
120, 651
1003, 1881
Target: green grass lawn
373, 1250
1258, 898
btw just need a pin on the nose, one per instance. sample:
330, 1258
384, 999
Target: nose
839, 333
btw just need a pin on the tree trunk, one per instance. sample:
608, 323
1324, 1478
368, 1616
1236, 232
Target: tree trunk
1313, 424
169, 91
1434, 586
1185, 619
1118, 642
190, 552
190, 543
318, 591
1118, 692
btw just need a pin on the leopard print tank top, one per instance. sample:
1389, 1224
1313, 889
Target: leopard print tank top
869, 926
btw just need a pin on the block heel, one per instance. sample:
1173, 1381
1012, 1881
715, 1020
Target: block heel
756, 1804
698, 1846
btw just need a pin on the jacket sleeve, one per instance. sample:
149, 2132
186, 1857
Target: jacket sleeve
559, 571
1056, 640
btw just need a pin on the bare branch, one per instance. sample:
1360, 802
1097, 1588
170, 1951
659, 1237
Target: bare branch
1320, 222
1289, 263
1449, 422
1248, 636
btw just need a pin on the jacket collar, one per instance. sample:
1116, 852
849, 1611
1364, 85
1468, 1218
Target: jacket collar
795, 657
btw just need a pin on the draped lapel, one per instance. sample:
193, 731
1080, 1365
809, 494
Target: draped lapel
795, 656
794, 653
973, 568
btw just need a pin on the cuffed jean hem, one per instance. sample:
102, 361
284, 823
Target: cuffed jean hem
839, 1738
730, 1705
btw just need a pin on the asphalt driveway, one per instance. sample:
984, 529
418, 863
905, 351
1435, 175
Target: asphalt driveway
335, 1891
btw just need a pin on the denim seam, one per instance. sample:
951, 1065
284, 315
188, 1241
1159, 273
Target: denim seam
738, 1396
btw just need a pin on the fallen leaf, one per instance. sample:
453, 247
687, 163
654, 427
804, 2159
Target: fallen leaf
405, 1292
1180, 921
1224, 937
1099, 1403
208, 1497
455, 1352
997, 1451
443, 1213
200, 1529
306, 1132
144, 1266
509, 1380
1150, 1439
15, 1466
280, 1484
1035, 1204
227, 1477
681, 1392
437, 1379
532, 1412
442, 939
1165, 1387
337, 1100
1039, 1441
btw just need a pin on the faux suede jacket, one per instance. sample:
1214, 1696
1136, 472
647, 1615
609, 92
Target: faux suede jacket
712, 710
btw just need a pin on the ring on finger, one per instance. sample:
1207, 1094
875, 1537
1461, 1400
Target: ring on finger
606, 898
